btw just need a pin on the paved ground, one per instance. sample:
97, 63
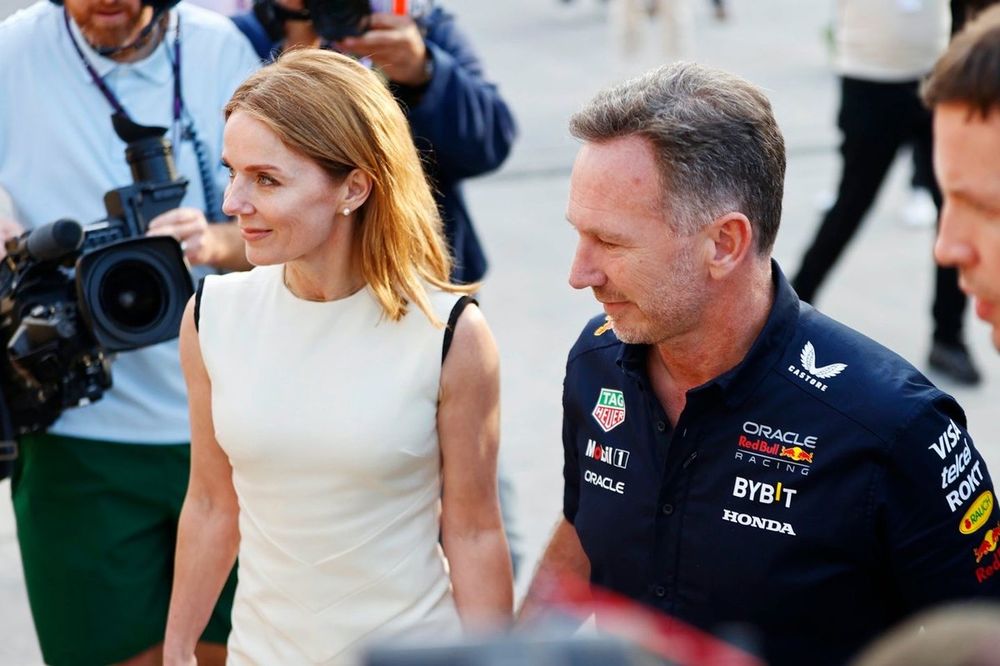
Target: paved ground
549, 59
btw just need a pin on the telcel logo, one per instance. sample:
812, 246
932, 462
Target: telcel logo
765, 493
978, 514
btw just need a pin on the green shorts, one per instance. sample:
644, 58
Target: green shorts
97, 526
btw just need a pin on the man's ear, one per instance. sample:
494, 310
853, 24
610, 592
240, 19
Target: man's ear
732, 238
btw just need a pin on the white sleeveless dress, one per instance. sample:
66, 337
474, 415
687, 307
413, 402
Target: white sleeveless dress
327, 412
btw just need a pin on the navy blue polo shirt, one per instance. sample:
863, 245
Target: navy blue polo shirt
818, 492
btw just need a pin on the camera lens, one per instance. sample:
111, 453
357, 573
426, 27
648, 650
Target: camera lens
132, 295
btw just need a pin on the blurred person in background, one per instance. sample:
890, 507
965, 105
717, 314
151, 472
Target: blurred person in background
964, 93
96, 498
953, 635
733, 457
335, 487
884, 48
673, 18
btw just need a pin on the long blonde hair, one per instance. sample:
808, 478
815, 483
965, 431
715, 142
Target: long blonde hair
336, 112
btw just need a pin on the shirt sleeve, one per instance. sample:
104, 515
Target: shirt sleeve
460, 116
937, 512
571, 462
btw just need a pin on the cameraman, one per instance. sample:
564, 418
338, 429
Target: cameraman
97, 497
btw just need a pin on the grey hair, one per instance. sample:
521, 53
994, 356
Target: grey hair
718, 148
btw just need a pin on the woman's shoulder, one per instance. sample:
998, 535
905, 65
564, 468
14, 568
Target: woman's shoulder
443, 302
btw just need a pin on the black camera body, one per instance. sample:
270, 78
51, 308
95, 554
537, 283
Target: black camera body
333, 20
72, 295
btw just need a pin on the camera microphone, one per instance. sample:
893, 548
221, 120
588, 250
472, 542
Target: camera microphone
54, 240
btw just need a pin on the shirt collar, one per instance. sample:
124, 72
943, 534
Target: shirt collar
156, 67
735, 385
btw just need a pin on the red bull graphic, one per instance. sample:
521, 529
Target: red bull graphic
988, 545
796, 453
986, 572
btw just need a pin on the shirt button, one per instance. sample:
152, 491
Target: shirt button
668, 509
660, 591
661, 426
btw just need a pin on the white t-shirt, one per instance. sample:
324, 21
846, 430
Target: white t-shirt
59, 155
890, 40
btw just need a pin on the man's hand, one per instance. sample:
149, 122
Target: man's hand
395, 46
191, 229
9, 228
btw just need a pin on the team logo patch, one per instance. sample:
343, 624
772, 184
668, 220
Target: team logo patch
808, 359
609, 411
604, 328
812, 375
988, 545
978, 514
607, 454
796, 453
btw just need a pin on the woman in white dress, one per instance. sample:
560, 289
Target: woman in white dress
344, 401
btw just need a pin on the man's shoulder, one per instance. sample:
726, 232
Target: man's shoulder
856, 376
598, 334
23, 28
203, 24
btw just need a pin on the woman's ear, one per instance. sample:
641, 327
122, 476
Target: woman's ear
357, 188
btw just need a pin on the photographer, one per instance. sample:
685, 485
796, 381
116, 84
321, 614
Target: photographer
97, 496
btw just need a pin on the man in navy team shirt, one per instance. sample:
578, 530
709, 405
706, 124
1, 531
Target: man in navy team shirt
732, 456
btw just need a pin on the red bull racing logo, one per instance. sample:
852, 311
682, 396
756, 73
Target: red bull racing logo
796, 453
988, 545
609, 411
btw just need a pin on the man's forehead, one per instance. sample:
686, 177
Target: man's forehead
617, 174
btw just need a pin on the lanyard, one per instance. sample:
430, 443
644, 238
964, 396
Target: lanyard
187, 129
178, 106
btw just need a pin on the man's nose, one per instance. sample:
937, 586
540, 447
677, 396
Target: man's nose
584, 273
951, 247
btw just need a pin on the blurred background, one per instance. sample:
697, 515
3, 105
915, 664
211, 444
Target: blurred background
549, 57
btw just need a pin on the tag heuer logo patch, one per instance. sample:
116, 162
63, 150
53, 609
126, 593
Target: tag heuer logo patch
609, 411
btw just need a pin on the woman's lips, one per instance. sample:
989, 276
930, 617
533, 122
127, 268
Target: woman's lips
251, 235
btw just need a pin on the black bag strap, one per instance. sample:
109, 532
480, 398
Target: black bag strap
449, 331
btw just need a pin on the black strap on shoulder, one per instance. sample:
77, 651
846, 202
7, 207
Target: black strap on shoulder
449, 331
197, 303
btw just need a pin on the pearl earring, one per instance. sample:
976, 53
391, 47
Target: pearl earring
347, 211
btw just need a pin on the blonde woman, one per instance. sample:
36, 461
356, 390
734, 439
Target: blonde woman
344, 402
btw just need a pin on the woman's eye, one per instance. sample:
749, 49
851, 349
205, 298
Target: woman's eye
264, 179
